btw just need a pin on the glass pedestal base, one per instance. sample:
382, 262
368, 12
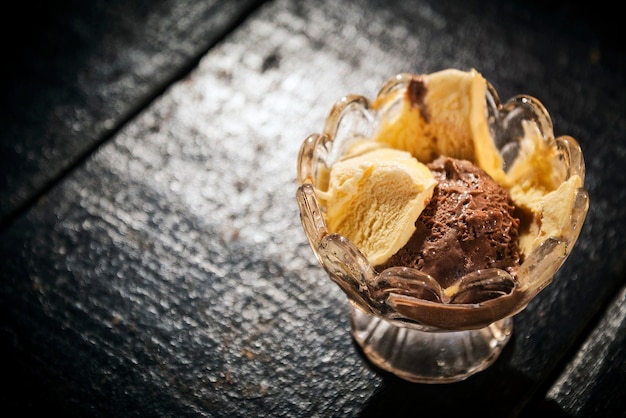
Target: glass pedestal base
429, 356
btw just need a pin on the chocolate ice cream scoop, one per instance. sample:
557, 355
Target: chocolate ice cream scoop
468, 225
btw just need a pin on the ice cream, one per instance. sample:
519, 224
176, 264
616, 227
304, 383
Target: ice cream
443, 113
374, 197
430, 190
468, 225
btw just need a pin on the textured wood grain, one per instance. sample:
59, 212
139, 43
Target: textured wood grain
76, 71
168, 275
592, 384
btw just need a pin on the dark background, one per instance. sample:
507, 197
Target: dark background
120, 298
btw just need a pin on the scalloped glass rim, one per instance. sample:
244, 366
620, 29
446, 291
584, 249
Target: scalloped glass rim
407, 296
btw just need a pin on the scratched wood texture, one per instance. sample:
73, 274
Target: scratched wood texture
166, 274
76, 71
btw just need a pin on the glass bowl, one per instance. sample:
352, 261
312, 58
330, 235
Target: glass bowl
405, 322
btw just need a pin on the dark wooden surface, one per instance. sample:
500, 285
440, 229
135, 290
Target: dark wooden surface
153, 263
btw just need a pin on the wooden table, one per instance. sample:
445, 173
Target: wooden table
153, 262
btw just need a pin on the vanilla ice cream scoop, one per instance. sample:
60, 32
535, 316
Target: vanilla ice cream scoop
444, 113
374, 197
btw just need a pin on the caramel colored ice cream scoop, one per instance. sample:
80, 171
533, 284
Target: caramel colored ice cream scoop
374, 197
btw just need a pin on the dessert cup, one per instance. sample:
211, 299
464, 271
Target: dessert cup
403, 320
